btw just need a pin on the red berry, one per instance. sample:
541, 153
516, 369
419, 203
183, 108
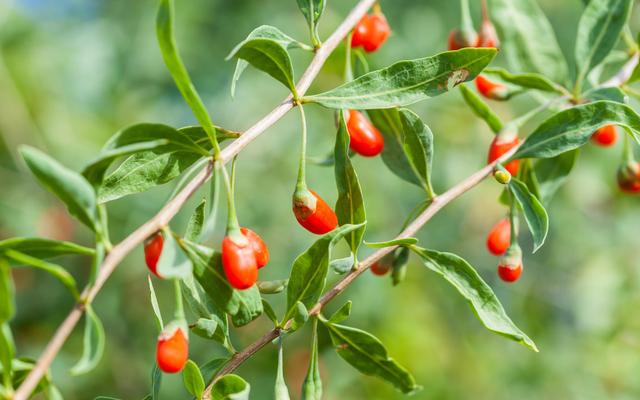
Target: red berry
260, 249
488, 36
314, 214
629, 177
366, 139
459, 39
379, 31
605, 136
152, 251
501, 144
380, 269
172, 352
490, 89
239, 261
361, 32
499, 237
509, 273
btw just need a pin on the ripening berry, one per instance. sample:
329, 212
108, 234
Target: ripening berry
152, 251
379, 31
501, 144
629, 177
499, 237
380, 269
491, 90
313, 213
366, 139
488, 36
239, 261
510, 265
360, 32
260, 249
605, 136
172, 350
459, 39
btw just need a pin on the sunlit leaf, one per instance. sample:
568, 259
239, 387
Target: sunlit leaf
231, 387
534, 212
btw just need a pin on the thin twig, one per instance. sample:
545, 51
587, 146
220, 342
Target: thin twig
165, 215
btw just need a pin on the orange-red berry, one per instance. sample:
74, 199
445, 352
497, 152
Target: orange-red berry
491, 90
499, 237
313, 213
152, 250
172, 350
510, 265
365, 138
260, 248
371, 32
459, 39
239, 261
629, 177
488, 36
501, 144
605, 136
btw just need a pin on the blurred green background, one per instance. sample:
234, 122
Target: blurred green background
73, 72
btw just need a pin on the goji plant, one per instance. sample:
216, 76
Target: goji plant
220, 282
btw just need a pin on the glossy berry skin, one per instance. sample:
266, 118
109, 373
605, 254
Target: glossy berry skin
605, 136
172, 353
491, 90
371, 32
629, 177
260, 249
459, 39
239, 262
365, 138
501, 145
499, 237
380, 269
319, 220
152, 250
509, 273
360, 32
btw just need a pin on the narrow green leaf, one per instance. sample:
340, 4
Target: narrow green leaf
572, 128
154, 305
527, 38
342, 265
7, 352
368, 355
464, 278
607, 93
342, 313
56, 271
43, 248
7, 299
407, 82
312, 11
534, 213
268, 310
194, 227
300, 315
231, 387
312, 386
272, 287
481, 109
599, 30
551, 173
266, 50
530, 80
173, 263
193, 380
281, 392
67, 185
394, 242
211, 367
350, 204
156, 382
93, 343
309, 271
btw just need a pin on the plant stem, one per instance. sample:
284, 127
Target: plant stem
348, 69
233, 227
512, 219
179, 314
627, 150
301, 184
467, 21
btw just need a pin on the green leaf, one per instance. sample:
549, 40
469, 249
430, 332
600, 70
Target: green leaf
394, 242
368, 355
173, 263
7, 299
342, 313
194, 227
56, 271
309, 271
7, 352
213, 366
607, 93
300, 317
268, 54
481, 109
230, 387
529, 80
534, 213
43, 248
67, 185
572, 128
212, 323
342, 265
265, 32
527, 38
464, 278
154, 305
407, 82
93, 343
243, 305
268, 310
281, 392
598, 31
551, 173
312, 386
350, 204
408, 146
272, 287
193, 380
156, 382
312, 11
